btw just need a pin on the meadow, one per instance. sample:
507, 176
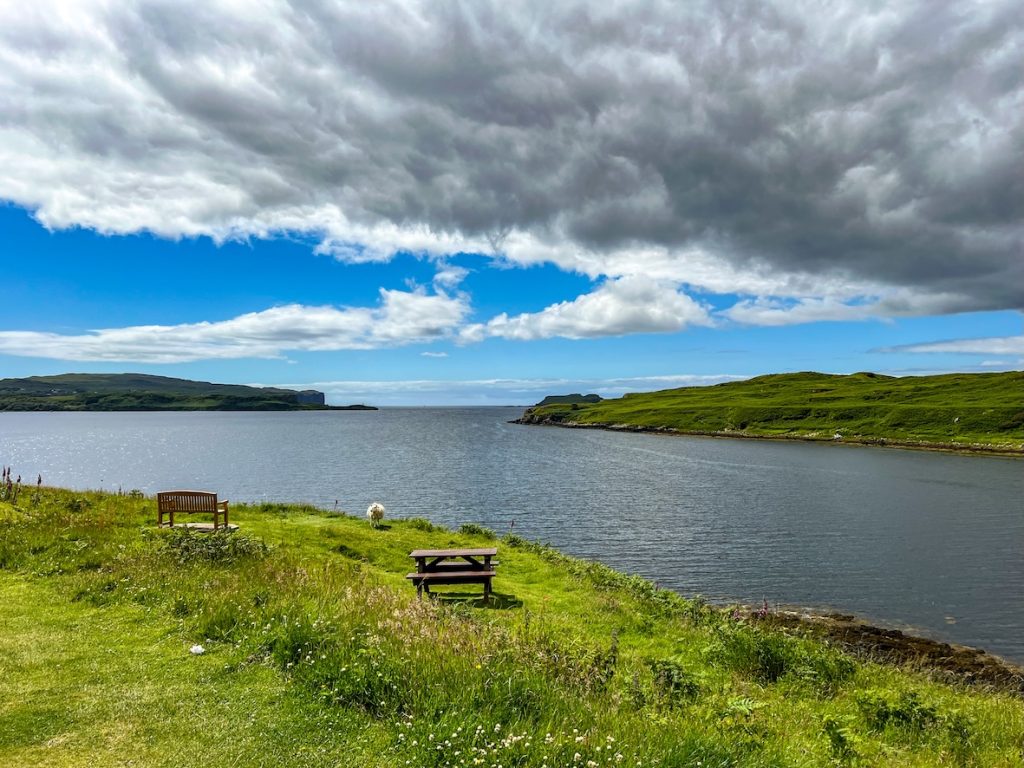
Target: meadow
316, 652
964, 410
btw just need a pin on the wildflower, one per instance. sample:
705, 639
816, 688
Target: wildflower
197, 650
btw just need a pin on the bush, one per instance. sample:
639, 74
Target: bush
672, 682
422, 524
770, 655
216, 547
906, 712
472, 529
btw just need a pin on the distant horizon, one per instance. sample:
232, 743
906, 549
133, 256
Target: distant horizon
362, 396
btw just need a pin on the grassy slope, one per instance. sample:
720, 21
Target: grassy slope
319, 654
961, 409
137, 391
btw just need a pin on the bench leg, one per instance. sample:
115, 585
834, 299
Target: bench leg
419, 590
487, 591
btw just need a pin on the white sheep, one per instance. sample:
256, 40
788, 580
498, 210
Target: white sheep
376, 513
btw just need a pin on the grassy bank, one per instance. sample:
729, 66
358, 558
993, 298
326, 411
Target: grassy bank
982, 411
317, 653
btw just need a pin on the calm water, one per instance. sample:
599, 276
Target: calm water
931, 541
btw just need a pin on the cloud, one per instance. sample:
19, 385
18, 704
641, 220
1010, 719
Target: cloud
616, 308
433, 354
403, 317
495, 391
783, 150
890, 303
1001, 345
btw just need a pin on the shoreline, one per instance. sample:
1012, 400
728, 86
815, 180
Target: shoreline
969, 449
950, 662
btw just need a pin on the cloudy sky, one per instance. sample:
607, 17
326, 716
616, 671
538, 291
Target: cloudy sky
478, 202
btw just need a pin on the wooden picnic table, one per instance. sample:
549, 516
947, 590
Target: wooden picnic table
453, 566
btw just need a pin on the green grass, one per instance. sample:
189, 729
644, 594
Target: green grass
142, 392
317, 654
978, 409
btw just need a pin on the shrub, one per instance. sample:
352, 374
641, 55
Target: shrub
77, 504
472, 529
672, 682
769, 655
216, 547
906, 712
422, 524
841, 739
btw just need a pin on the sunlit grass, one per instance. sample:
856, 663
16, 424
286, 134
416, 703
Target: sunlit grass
986, 409
318, 653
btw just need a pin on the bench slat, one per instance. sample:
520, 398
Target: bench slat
418, 553
442, 576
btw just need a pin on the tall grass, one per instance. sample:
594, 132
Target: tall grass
462, 687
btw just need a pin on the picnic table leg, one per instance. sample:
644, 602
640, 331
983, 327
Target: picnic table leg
487, 590
419, 590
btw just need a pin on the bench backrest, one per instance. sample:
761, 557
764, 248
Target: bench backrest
186, 501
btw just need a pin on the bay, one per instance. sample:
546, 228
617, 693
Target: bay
927, 541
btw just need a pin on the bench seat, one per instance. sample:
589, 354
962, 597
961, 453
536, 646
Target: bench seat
170, 503
464, 576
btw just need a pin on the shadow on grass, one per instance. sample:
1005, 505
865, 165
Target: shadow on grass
498, 602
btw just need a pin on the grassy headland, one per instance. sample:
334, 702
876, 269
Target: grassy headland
318, 654
969, 411
143, 392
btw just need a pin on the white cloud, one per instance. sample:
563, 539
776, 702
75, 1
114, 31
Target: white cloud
793, 151
433, 354
617, 307
1002, 345
495, 391
840, 306
403, 317
771, 311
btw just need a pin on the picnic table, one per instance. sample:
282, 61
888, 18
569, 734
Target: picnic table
453, 566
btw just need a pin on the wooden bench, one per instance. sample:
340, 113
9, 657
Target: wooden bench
453, 566
173, 503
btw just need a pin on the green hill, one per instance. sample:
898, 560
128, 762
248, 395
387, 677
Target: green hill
983, 411
569, 399
142, 392
315, 652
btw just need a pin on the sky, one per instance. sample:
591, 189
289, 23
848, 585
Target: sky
429, 203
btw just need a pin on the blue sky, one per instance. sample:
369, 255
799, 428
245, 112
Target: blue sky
410, 202
75, 281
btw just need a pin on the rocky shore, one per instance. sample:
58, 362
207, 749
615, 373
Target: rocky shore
945, 661
1006, 449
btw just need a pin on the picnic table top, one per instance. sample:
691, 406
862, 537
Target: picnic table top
421, 553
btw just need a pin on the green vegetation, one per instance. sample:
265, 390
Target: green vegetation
569, 399
967, 410
316, 653
141, 392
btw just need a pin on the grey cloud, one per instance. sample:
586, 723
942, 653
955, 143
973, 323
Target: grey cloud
878, 146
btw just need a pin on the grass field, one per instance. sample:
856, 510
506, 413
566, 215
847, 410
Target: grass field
318, 654
970, 409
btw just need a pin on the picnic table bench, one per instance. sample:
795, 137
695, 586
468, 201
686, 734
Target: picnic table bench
173, 503
453, 566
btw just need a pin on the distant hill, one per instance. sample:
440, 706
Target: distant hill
982, 411
142, 392
569, 399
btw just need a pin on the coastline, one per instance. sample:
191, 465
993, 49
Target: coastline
948, 662
972, 449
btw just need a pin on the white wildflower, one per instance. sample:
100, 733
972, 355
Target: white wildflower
197, 650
